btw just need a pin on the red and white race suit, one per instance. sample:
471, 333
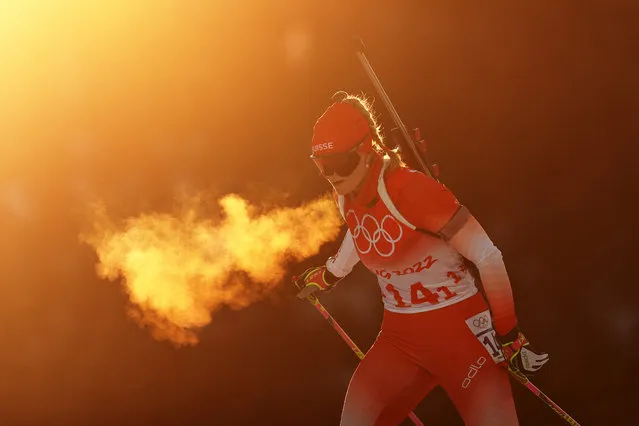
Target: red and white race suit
420, 344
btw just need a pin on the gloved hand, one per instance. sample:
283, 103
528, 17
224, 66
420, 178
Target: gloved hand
519, 354
314, 279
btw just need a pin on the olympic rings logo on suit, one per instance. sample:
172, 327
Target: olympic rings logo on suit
380, 233
481, 321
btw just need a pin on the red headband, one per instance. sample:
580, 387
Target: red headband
339, 129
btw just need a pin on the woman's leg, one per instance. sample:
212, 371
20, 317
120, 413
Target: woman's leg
485, 399
466, 365
385, 387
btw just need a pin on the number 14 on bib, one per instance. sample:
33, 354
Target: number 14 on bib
481, 326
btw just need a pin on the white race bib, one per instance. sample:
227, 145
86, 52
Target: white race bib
481, 326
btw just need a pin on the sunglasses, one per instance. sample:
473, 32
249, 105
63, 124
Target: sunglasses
341, 164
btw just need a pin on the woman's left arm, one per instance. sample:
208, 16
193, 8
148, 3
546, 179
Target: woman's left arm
430, 206
471, 241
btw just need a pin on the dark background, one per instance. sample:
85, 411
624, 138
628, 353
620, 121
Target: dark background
530, 108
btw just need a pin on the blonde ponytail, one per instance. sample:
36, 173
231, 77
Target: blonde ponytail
365, 107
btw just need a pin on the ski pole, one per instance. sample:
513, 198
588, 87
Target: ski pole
521, 378
313, 300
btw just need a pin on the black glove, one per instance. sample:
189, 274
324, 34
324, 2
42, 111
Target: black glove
519, 354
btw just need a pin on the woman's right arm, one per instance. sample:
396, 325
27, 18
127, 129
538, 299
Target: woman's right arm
342, 263
326, 276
